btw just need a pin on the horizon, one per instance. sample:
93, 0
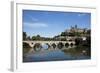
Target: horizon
52, 23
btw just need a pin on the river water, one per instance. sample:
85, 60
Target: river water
54, 55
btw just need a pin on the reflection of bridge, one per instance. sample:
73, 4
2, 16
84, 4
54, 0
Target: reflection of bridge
32, 43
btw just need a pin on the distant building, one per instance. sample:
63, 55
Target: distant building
69, 37
76, 29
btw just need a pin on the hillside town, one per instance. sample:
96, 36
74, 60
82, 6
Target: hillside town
74, 33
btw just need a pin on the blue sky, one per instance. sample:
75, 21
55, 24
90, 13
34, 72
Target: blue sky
51, 23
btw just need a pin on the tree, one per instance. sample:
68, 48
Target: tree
33, 37
63, 39
24, 36
78, 41
88, 39
63, 34
38, 36
71, 34
28, 38
88, 31
26, 48
26, 45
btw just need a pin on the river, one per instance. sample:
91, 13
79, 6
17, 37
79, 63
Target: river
56, 55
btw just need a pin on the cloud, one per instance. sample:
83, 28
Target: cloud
35, 25
33, 19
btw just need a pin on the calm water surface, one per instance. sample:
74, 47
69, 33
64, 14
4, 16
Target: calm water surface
53, 55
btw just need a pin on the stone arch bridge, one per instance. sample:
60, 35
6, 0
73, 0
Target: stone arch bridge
32, 43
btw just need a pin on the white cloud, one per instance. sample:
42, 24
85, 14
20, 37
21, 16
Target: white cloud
35, 25
32, 18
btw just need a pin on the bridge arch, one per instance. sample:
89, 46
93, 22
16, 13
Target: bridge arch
37, 46
54, 45
45, 45
60, 45
50, 43
71, 44
67, 44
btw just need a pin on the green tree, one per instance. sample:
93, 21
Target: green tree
33, 37
78, 41
36, 37
71, 34
26, 45
63, 34
28, 38
63, 39
88, 31
24, 36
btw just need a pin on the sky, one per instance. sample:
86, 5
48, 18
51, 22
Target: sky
52, 23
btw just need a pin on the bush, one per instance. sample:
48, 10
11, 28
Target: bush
26, 45
26, 48
78, 41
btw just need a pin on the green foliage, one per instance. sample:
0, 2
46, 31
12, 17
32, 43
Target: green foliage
78, 41
36, 37
33, 37
26, 45
71, 34
26, 48
87, 42
28, 38
88, 31
63, 34
24, 35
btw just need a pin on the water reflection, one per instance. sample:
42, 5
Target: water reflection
45, 46
54, 53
